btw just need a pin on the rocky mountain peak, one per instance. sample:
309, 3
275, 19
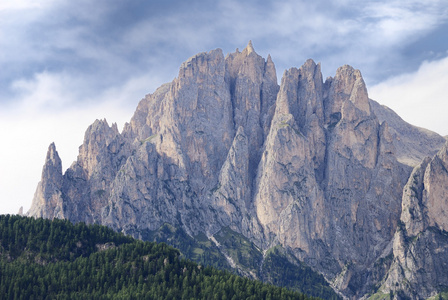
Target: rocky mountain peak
47, 201
198, 64
247, 62
53, 165
413, 213
310, 66
306, 166
348, 84
249, 49
420, 245
253, 90
97, 139
270, 71
435, 194
53, 162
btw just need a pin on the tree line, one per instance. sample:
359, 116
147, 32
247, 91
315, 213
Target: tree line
43, 259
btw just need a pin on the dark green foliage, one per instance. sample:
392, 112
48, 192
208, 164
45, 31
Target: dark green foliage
42, 259
53, 240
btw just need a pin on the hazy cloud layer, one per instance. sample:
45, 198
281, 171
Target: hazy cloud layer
65, 63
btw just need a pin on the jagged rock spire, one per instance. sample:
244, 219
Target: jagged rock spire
420, 242
249, 49
47, 201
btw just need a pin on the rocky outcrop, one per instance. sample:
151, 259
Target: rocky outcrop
307, 166
231, 198
253, 87
48, 202
87, 183
420, 248
329, 185
191, 130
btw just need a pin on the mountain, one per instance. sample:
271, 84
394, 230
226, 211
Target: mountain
42, 259
412, 144
236, 166
420, 247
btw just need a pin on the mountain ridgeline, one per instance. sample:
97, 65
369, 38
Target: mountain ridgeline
312, 171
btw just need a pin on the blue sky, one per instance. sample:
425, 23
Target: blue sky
65, 63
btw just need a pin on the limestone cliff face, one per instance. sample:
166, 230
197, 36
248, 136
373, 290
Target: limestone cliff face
87, 183
420, 248
307, 165
47, 201
329, 185
198, 134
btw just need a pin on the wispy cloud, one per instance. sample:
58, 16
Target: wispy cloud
371, 36
421, 97
9, 6
65, 63
46, 112
114, 40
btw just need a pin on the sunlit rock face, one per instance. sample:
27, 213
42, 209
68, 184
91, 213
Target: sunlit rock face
47, 201
306, 165
420, 248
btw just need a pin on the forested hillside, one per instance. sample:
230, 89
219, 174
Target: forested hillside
43, 259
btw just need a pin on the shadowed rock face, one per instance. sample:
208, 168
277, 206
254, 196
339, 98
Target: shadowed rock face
306, 165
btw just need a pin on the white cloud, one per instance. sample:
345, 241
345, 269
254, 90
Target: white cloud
398, 22
365, 35
48, 112
10, 5
420, 98
45, 90
67, 63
